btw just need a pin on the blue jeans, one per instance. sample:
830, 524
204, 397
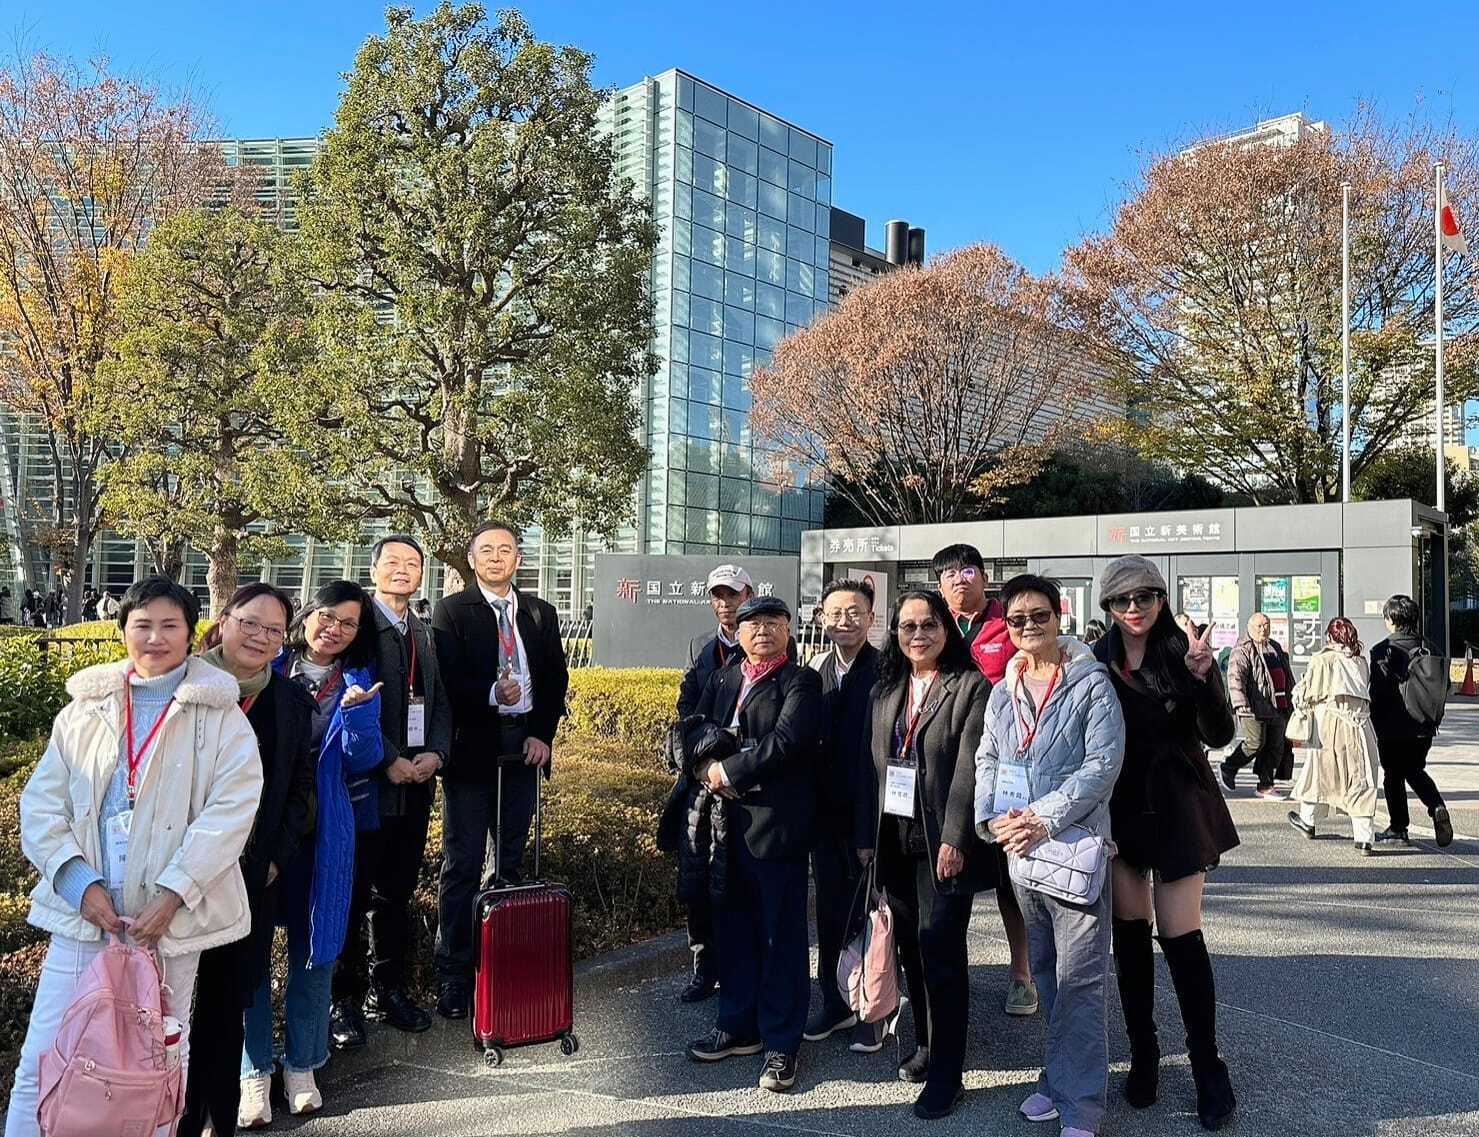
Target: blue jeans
305, 1014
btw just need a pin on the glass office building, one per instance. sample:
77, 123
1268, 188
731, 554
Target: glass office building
743, 202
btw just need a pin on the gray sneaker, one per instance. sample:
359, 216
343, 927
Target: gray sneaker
1021, 998
867, 1038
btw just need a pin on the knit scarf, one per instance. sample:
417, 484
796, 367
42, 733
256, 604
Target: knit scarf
216, 657
754, 672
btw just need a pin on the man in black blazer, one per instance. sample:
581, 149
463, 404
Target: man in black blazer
416, 725
845, 794
501, 654
757, 750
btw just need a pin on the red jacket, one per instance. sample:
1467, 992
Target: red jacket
991, 646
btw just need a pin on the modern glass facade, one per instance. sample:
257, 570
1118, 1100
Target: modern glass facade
743, 202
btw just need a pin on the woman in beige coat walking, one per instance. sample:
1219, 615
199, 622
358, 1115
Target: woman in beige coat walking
1340, 767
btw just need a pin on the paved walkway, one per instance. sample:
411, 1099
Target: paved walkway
1349, 1004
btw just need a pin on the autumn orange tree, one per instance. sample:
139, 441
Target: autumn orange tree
88, 162
925, 393
1214, 303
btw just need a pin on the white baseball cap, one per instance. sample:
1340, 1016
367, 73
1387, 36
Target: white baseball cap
730, 576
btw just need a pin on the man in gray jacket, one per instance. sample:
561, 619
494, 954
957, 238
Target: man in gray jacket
1259, 680
416, 721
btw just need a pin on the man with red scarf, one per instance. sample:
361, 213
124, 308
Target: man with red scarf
757, 750
962, 576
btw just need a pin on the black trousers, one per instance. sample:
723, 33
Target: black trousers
387, 863
217, 1032
1262, 742
929, 932
700, 921
835, 868
469, 816
1404, 763
764, 989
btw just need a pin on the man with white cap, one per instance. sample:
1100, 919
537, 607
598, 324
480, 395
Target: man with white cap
729, 586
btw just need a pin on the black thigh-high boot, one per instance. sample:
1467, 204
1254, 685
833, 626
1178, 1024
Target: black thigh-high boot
1134, 965
1191, 972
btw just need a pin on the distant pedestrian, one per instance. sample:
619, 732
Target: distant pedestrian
1339, 772
1259, 679
1093, 631
7, 607
1171, 824
1402, 740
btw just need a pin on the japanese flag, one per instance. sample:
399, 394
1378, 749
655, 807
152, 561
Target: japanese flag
1453, 236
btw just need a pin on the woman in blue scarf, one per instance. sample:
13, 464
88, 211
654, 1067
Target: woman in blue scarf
330, 652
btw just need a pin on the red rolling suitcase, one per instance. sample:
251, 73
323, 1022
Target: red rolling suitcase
524, 978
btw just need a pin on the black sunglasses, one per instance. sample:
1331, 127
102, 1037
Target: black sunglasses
1037, 619
1143, 599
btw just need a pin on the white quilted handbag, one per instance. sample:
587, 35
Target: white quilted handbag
1069, 867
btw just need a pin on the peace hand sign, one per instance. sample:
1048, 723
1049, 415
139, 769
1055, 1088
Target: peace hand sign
1199, 653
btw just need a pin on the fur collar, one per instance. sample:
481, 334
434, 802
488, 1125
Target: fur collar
203, 684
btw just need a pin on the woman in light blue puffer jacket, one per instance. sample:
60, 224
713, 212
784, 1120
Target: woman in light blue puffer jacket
1051, 750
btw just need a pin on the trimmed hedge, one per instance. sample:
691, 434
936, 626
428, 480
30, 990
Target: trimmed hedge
631, 706
33, 680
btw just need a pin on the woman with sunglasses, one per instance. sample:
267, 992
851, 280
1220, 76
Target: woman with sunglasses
330, 654
243, 643
1170, 823
928, 709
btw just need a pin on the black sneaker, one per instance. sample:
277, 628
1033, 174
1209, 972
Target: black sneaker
452, 999
916, 1067
826, 1021
700, 987
1229, 776
1298, 823
1442, 827
394, 1008
1392, 835
346, 1025
719, 1044
779, 1074
867, 1038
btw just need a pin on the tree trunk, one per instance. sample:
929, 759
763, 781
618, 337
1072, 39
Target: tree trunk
168, 555
77, 578
221, 567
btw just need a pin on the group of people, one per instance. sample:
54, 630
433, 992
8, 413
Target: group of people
979, 744
193, 798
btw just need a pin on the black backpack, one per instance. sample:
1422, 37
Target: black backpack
1424, 689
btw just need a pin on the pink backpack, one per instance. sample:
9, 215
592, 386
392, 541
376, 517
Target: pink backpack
110, 1072
867, 970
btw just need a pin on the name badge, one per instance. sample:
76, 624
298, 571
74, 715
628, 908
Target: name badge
115, 834
1012, 791
898, 790
416, 721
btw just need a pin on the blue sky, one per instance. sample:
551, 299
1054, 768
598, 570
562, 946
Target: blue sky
1015, 123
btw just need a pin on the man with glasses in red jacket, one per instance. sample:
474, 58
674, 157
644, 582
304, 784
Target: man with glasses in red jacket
962, 578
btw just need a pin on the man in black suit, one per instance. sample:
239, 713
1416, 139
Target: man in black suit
729, 586
756, 750
501, 653
845, 795
416, 722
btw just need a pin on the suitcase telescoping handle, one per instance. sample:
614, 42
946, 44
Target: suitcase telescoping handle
538, 814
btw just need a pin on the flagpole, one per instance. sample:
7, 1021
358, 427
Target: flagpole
1438, 326
1345, 342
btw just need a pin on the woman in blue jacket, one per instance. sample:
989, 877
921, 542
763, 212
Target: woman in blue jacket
330, 652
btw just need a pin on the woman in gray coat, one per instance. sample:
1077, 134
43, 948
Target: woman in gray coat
1050, 752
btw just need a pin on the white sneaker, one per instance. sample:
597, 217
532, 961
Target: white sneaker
302, 1092
255, 1110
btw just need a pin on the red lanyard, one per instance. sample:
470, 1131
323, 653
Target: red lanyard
720, 650
331, 683
135, 760
248, 703
913, 712
509, 643
411, 680
1029, 730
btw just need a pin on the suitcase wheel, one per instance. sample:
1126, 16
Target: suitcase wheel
569, 1044
493, 1056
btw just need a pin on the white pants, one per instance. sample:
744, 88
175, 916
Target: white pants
1363, 829
62, 970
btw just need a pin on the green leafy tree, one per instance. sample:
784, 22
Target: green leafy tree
218, 338
485, 322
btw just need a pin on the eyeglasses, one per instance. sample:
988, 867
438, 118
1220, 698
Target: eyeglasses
1037, 619
966, 574
251, 629
844, 616
1143, 599
909, 628
333, 621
